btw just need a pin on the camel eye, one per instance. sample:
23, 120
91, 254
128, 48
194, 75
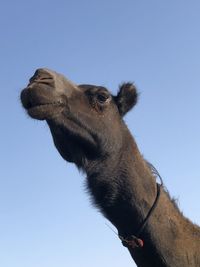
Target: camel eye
102, 98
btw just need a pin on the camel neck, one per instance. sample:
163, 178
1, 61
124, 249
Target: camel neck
124, 189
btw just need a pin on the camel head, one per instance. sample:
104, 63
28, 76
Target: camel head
86, 121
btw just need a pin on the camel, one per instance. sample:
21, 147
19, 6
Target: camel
87, 126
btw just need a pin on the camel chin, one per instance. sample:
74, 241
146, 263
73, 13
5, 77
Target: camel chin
44, 112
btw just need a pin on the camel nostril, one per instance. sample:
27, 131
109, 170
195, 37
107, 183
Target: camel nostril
42, 76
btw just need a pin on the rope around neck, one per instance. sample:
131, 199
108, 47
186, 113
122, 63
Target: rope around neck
134, 241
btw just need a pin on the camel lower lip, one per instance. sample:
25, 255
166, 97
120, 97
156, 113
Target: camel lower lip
44, 111
40, 106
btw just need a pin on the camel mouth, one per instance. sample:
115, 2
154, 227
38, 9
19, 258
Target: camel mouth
40, 103
44, 111
30, 106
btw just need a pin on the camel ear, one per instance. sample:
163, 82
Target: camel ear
126, 98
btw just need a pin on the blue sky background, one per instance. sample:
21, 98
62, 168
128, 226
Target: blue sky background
46, 218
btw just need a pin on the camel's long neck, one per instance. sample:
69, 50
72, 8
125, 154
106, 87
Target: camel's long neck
124, 189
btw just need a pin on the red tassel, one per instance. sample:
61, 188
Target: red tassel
140, 243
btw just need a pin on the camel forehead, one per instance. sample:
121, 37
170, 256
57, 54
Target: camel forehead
94, 88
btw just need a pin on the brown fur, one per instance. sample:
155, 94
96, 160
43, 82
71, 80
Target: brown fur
87, 126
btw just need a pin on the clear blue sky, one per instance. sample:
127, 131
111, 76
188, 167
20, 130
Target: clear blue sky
46, 218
